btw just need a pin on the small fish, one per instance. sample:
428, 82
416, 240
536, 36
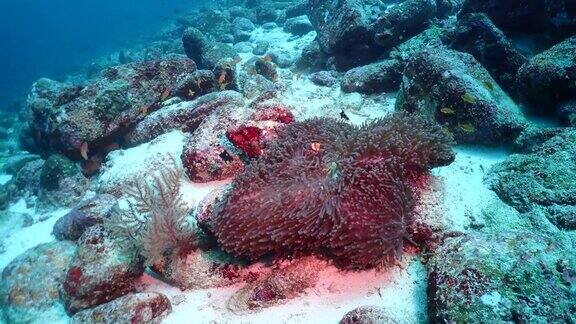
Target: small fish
344, 116
191, 93
226, 157
467, 97
489, 85
467, 128
275, 77
165, 95
144, 110
316, 146
222, 80
84, 151
447, 111
332, 169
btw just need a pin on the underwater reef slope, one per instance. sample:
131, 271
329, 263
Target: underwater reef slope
359, 161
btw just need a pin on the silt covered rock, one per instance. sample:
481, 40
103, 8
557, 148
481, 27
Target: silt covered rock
374, 78
138, 308
86, 214
30, 283
504, 277
455, 90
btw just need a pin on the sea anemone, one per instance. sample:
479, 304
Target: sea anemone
326, 185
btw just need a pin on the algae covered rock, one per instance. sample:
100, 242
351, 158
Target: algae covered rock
138, 308
100, 271
86, 214
455, 90
346, 26
476, 34
30, 283
403, 20
503, 277
543, 180
549, 79
374, 78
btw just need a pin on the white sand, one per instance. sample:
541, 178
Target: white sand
19, 239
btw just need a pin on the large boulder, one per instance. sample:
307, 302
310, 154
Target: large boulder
403, 20
345, 28
548, 80
30, 284
476, 34
137, 308
520, 277
204, 52
558, 17
100, 271
373, 78
83, 122
541, 181
455, 90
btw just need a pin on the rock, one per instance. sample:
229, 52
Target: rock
434, 37
548, 79
266, 14
195, 85
507, 276
312, 57
531, 182
186, 116
345, 28
297, 9
243, 28
283, 58
260, 47
557, 17
403, 21
134, 308
86, 214
14, 163
477, 35
269, 26
324, 78
201, 270
280, 286
374, 78
367, 315
266, 68
30, 284
99, 272
445, 8
204, 52
212, 153
61, 183
298, 26
454, 89
532, 138
243, 47
96, 116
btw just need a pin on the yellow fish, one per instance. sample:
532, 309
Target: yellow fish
144, 110
469, 98
467, 128
448, 111
489, 85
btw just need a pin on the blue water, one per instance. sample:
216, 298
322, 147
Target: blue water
50, 38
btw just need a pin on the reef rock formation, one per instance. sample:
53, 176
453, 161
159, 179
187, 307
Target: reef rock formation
519, 276
30, 283
454, 89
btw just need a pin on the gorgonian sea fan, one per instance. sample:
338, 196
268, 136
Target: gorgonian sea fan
324, 184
